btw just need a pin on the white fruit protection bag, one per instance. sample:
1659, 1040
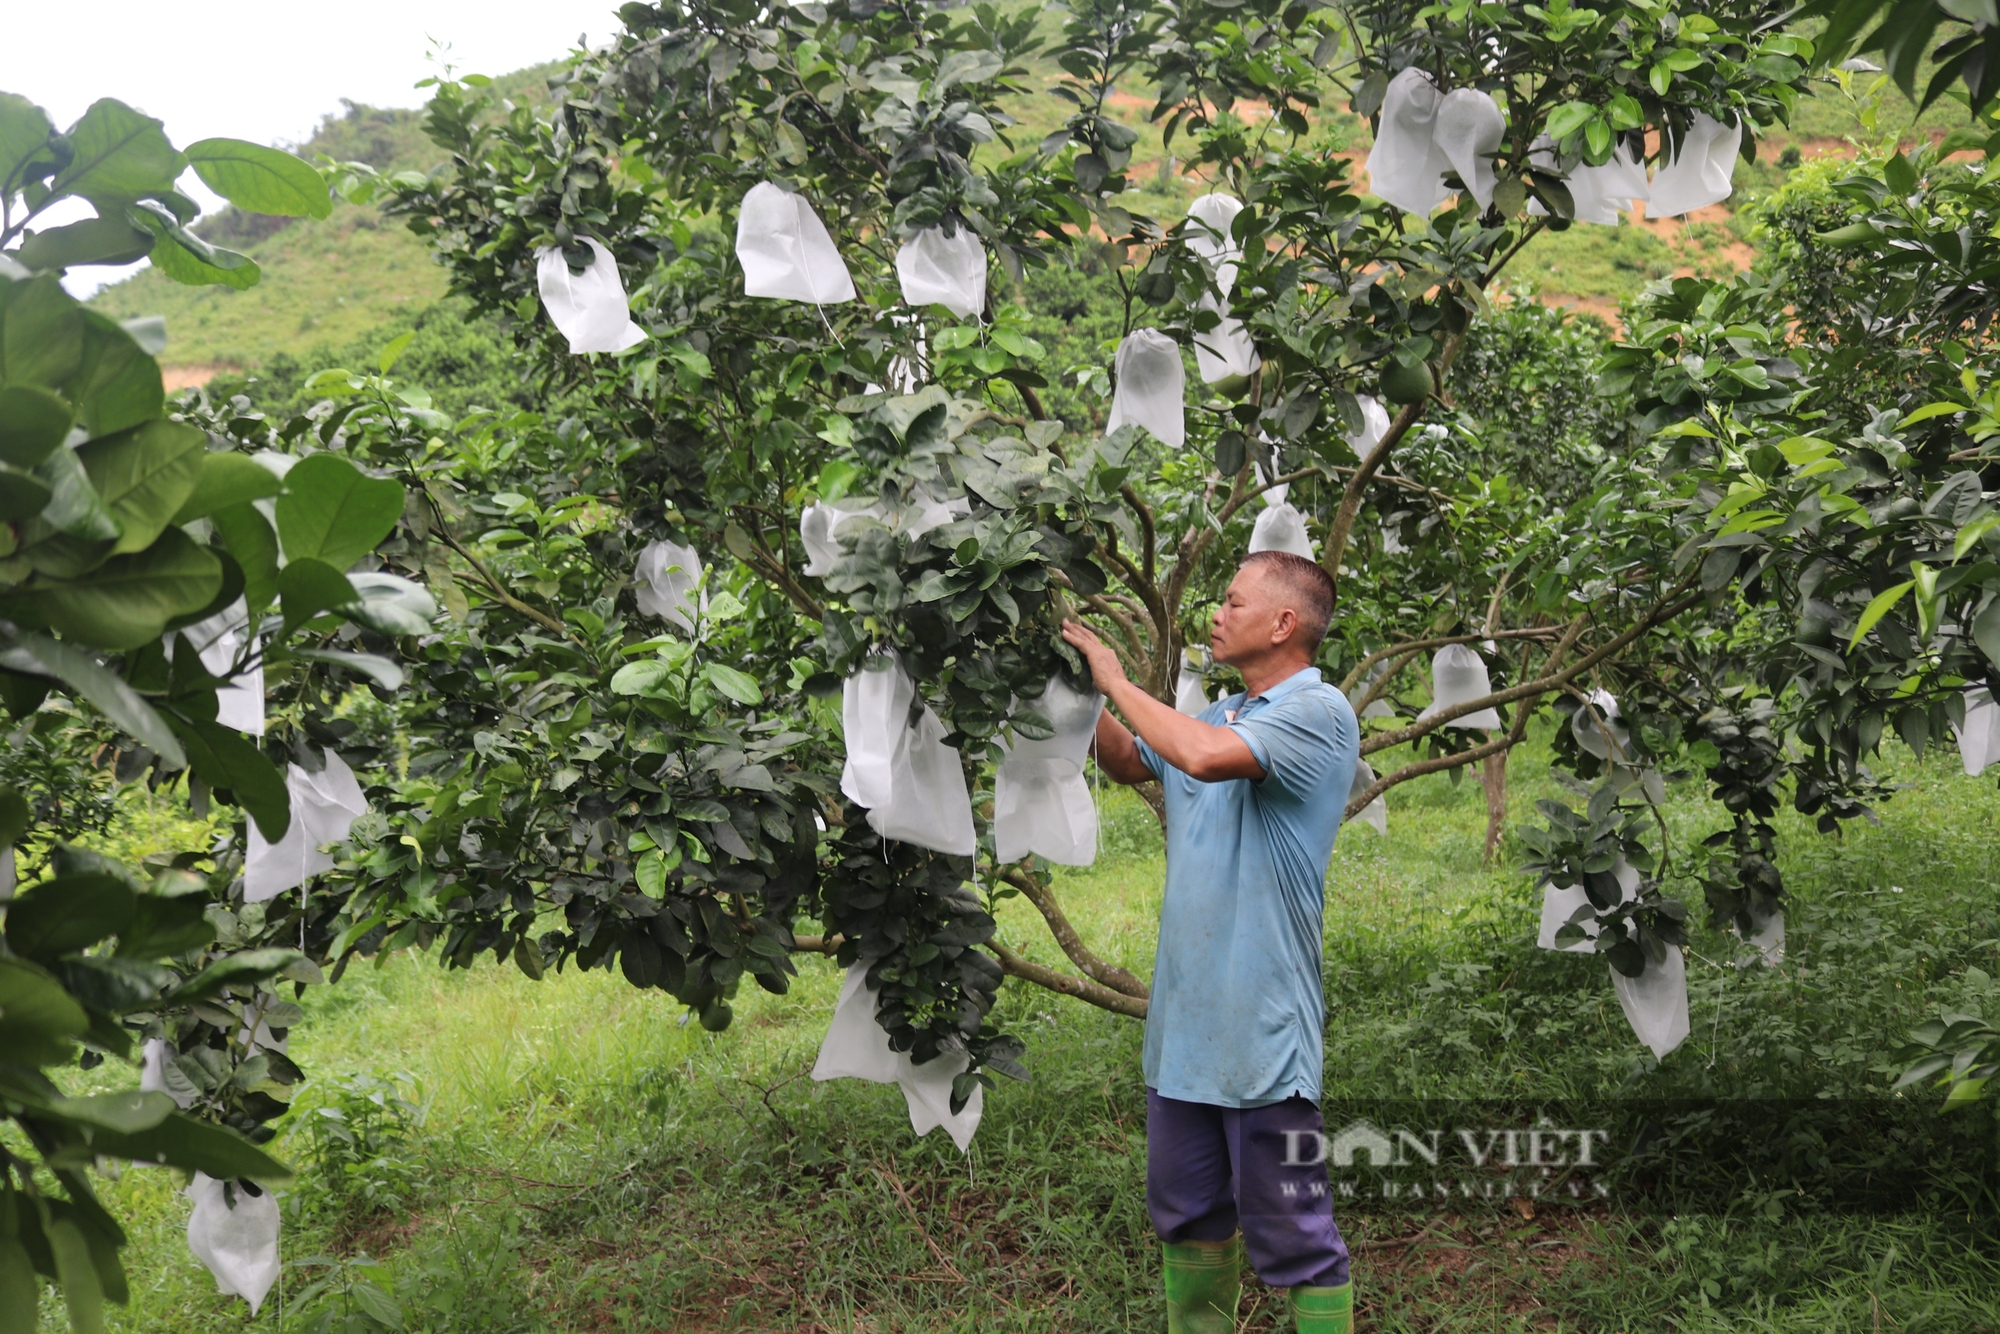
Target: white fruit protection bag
1979, 737
1656, 1001
821, 523
1041, 803
1599, 194
1225, 352
157, 1074
664, 580
1405, 166
1188, 698
785, 250
1458, 676
911, 784
324, 807
235, 1235
1559, 905
590, 308
1423, 135
1469, 127
939, 270
1152, 387
1281, 527
857, 1048
219, 640
1376, 813
1701, 173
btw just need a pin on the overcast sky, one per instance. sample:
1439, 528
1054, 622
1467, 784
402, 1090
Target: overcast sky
267, 71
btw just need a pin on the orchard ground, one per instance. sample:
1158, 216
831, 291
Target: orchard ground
586, 1161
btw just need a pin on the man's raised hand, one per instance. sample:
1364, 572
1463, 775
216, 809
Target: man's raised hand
1105, 669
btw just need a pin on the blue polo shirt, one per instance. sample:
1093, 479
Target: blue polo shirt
1238, 1008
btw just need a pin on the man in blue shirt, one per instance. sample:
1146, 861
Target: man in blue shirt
1255, 788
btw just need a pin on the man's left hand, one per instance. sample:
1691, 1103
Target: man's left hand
1105, 669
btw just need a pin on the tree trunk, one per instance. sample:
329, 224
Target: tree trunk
1493, 777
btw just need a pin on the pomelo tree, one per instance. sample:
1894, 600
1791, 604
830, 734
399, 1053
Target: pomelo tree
668, 807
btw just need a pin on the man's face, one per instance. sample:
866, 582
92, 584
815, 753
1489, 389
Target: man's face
1248, 617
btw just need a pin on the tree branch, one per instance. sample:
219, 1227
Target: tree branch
1104, 998
1080, 954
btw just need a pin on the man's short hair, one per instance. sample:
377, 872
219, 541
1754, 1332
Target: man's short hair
1310, 587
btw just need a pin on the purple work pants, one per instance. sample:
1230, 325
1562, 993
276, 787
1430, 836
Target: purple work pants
1211, 1170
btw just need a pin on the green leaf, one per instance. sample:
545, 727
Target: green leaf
182, 1141
1877, 609
248, 967
163, 926
42, 341
310, 587
739, 686
108, 240
262, 180
15, 816
117, 382
76, 1273
1854, 233
248, 537
24, 138
129, 1112
37, 1017
120, 156
393, 351
22, 494
82, 674
185, 258
378, 669
1568, 118
20, 1288
224, 759
144, 475
33, 421
1930, 410
129, 599
64, 915
334, 512
227, 479
1986, 632
378, 1305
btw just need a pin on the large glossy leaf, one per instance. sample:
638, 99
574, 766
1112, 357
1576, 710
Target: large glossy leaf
227, 479
76, 1273
144, 475
120, 156
20, 1288
64, 915
249, 966
129, 599
248, 536
82, 674
182, 1141
310, 587
22, 494
129, 1112
117, 385
262, 180
204, 265
107, 240
42, 338
24, 138
37, 1017
162, 927
223, 759
332, 511
33, 421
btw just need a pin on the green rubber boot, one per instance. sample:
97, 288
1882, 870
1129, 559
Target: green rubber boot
1204, 1282
1323, 1310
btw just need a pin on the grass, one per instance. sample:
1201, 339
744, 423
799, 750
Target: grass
587, 1162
